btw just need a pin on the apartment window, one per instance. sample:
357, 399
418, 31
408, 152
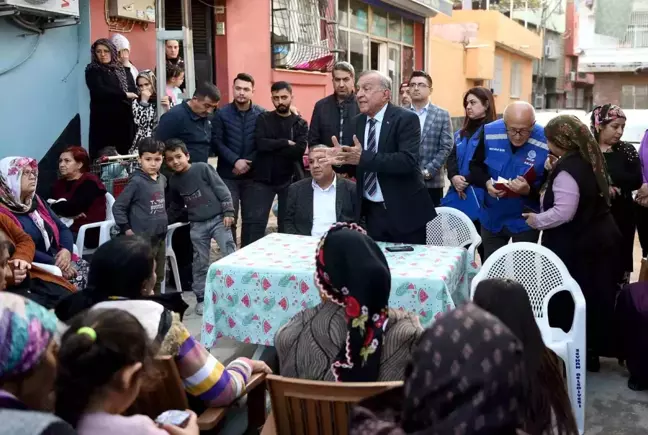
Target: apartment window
377, 39
637, 33
634, 97
498, 76
516, 80
304, 34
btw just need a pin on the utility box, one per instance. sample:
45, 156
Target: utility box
137, 10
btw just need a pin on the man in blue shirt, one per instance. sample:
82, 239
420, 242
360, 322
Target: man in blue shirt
190, 121
509, 148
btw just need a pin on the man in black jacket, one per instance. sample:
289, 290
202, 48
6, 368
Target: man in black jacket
333, 112
281, 138
384, 158
233, 135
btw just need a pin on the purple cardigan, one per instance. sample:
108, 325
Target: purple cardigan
643, 156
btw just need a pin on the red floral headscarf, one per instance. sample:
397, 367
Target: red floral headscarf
601, 115
352, 272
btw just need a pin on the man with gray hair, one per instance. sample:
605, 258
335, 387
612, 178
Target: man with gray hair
514, 149
382, 152
333, 112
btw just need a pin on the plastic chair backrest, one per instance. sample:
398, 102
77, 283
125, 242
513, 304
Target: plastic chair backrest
451, 227
537, 268
110, 201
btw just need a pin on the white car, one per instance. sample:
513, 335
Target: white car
544, 116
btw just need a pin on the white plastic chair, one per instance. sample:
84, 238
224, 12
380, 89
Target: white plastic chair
453, 228
170, 254
543, 274
104, 228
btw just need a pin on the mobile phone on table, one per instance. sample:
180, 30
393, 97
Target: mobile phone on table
173, 417
400, 248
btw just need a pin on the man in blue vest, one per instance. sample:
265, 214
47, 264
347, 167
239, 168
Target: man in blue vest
509, 148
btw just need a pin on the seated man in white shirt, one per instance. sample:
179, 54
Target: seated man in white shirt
314, 204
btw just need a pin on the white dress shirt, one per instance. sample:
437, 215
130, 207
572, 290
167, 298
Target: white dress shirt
422, 114
324, 213
378, 196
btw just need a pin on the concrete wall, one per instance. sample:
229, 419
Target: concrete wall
607, 87
45, 98
140, 35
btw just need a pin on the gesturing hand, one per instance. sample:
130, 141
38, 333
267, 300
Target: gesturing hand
352, 154
333, 154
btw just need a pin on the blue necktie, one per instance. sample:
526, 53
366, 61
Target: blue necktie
371, 180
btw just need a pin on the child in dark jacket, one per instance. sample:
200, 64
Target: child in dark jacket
199, 188
140, 209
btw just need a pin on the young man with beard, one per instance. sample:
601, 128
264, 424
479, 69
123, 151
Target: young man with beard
233, 134
333, 112
281, 138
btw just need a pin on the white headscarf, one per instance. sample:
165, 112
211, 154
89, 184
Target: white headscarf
122, 43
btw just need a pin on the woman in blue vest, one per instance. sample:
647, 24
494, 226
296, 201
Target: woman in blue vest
480, 110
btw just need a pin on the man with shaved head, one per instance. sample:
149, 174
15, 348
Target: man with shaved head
508, 149
382, 152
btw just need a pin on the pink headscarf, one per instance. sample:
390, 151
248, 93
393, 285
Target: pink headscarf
11, 169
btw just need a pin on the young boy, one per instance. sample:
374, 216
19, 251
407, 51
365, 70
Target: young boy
209, 205
140, 209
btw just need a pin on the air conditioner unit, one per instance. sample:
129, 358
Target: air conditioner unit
47, 8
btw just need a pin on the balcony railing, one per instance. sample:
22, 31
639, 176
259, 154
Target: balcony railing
636, 35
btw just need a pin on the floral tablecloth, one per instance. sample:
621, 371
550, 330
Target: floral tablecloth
250, 294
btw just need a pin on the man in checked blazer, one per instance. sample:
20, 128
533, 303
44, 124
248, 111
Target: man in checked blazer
436, 134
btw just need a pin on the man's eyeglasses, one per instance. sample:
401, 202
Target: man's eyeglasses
519, 131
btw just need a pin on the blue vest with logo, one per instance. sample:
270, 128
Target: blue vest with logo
498, 214
472, 205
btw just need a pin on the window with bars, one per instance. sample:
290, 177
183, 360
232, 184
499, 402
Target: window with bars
634, 96
637, 33
304, 34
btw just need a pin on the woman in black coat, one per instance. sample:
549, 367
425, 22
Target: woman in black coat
111, 90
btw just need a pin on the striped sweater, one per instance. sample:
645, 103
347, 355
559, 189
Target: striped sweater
202, 375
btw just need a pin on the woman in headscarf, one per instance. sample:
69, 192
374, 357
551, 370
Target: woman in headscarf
352, 336
624, 170
578, 226
111, 91
466, 376
547, 406
122, 44
145, 108
53, 239
27, 368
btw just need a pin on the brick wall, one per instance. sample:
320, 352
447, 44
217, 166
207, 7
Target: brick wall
607, 86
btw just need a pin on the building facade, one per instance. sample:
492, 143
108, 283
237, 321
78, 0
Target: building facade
579, 85
617, 64
481, 48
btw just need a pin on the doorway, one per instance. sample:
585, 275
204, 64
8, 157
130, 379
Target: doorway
202, 13
386, 58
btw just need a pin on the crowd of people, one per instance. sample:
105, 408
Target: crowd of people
364, 170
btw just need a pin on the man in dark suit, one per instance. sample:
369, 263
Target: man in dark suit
314, 204
384, 159
332, 113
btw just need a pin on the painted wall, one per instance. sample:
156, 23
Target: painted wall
44, 95
488, 34
141, 37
